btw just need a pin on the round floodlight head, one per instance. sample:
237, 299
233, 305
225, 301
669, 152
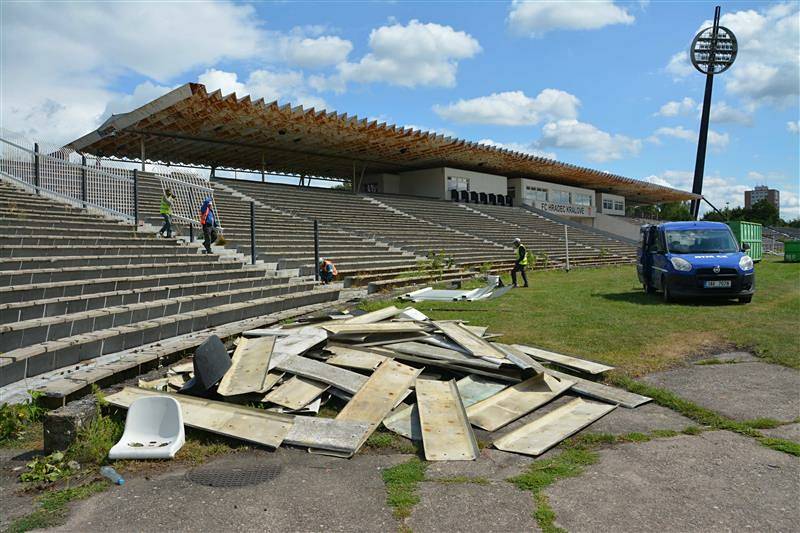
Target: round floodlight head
714, 54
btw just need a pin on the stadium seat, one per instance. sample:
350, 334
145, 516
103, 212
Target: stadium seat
509, 201
454, 195
465, 196
473, 197
501, 200
484, 198
492, 198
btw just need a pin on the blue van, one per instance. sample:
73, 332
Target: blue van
701, 259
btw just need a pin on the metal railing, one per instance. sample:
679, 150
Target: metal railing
54, 174
107, 186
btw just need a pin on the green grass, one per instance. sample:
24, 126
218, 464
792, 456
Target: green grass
541, 474
52, 507
707, 417
401, 486
604, 315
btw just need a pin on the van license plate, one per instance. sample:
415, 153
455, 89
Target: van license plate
725, 283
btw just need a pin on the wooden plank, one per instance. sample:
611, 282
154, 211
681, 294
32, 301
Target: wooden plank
335, 437
379, 395
374, 316
183, 368
479, 331
519, 358
386, 327
602, 392
472, 389
340, 378
446, 432
472, 343
538, 436
434, 352
296, 392
350, 358
249, 366
252, 425
516, 401
590, 367
270, 381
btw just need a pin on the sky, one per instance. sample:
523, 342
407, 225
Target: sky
601, 84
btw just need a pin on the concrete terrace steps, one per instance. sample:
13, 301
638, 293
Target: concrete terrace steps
37, 330
47, 307
61, 289
47, 275
51, 355
25, 263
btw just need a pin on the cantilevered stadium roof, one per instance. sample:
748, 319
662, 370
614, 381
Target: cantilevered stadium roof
193, 127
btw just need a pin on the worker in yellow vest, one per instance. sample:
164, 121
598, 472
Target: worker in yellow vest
520, 263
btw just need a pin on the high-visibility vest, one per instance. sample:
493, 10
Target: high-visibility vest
524, 260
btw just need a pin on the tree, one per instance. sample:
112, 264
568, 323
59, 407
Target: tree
674, 211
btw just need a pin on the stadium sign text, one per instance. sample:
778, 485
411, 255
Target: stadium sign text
570, 210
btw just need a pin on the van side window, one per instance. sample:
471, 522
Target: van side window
656, 245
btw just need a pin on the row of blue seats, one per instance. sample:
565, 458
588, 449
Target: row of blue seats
481, 198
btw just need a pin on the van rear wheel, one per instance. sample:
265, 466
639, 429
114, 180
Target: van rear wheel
745, 299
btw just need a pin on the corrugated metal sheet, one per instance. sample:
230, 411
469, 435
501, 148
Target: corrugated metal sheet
191, 126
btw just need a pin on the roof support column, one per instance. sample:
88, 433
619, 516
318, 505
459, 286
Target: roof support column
363, 169
263, 164
141, 148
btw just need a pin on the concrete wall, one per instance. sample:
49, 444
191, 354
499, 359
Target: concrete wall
616, 225
478, 181
384, 183
428, 183
581, 213
614, 199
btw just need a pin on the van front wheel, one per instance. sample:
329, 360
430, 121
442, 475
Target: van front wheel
745, 299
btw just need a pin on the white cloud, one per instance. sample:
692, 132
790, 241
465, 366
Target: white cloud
537, 18
82, 50
306, 48
519, 147
679, 132
793, 126
675, 108
597, 144
768, 64
287, 87
679, 65
513, 108
406, 55
722, 113
717, 141
718, 190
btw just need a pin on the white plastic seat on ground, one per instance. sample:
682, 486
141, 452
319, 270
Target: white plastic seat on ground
153, 430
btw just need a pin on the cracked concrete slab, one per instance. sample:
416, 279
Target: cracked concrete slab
789, 432
492, 464
733, 357
312, 493
717, 481
740, 391
461, 507
643, 419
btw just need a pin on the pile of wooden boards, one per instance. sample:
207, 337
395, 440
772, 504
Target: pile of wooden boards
430, 381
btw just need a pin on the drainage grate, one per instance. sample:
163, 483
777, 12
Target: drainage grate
234, 476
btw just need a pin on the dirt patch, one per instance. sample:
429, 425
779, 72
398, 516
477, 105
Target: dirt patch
678, 348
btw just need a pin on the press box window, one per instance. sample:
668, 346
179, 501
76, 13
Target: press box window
583, 199
536, 193
608, 205
561, 197
619, 206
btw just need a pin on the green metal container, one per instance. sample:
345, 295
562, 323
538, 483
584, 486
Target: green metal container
791, 251
749, 233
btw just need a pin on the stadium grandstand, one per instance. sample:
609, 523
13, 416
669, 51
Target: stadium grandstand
90, 292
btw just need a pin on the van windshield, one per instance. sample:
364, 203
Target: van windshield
701, 241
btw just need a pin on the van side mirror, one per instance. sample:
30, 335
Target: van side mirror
745, 247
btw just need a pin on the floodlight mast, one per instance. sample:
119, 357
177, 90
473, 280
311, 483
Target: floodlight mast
712, 52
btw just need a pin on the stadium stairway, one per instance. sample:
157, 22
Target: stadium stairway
75, 286
369, 218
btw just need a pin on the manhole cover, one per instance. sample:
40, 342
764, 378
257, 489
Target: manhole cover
234, 476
